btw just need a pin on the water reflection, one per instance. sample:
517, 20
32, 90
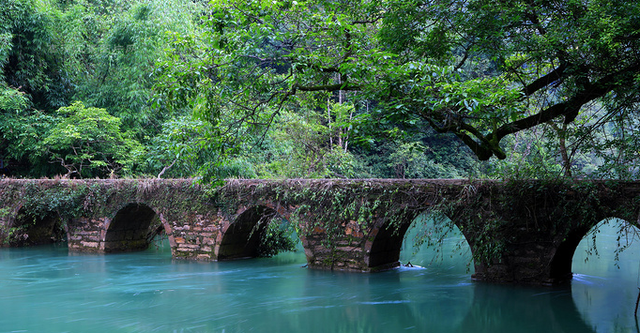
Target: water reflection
522, 309
45, 289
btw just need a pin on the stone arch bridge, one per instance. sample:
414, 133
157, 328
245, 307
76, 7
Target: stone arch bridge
518, 231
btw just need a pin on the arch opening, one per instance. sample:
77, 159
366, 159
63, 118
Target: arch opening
427, 240
257, 232
606, 275
132, 229
29, 229
581, 245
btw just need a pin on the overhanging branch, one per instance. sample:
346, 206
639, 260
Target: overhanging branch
544, 81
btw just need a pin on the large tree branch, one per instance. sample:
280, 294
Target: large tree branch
544, 81
480, 150
568, 109
483, 148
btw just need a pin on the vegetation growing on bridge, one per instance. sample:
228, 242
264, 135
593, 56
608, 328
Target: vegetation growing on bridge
504, 220
330, 209
490, 214
39, 211
68, 199
498, 219
521, 231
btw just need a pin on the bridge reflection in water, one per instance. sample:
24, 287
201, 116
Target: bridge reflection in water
50, 289
600, 298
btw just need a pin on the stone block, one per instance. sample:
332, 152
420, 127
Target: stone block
184, 249
348, 249
188, 246
90, 244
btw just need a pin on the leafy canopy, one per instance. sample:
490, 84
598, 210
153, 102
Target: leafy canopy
89, 142
480, 69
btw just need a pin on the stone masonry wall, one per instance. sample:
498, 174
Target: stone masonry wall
518, 232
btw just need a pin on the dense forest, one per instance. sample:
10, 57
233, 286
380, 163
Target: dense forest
320, 89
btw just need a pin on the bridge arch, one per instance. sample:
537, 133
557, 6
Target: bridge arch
383, 252
131, 229
241, 238
561, 266
605, 271
33, 229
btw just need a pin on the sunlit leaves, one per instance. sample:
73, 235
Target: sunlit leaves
181, 148
89, 142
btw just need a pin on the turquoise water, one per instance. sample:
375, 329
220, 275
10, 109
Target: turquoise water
46, 289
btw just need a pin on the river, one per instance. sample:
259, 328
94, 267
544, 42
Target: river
47, 289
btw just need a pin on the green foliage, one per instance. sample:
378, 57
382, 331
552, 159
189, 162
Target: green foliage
114, 56
12, 100
182, 149
177, 150
232, 61
530, 158
319, 89
277, 238
302, 146
596, 145
482, 70
22, 130
30, 56
100, 53
89, 141
542, 54
410, 161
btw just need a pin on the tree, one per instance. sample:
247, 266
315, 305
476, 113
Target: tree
551, 60
22, 129
101, 53
89, 142
30, 57
180, 149
114, 49
480, 69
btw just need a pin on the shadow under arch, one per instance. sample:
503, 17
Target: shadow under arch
132, 229
31, 229
242, 238
384, 251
